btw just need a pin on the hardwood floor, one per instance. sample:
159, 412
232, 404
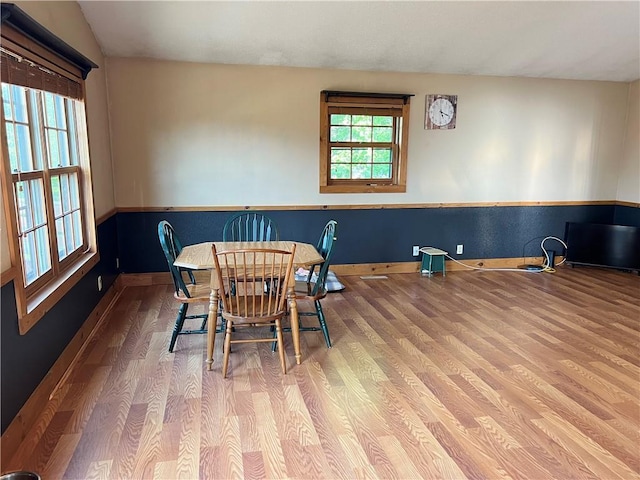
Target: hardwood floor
476, 375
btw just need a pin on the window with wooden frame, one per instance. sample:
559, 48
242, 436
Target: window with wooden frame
363, 142
45, 166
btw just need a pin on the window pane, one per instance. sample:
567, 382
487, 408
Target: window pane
37, 202
42, 245
383, 121
74, 191
382, 155
361, 134
340, 155
340, 119
382, 134
77, 229
361, 155
35, 118
20, 104
339, 171
24, 148
362, 119
68, 233
12, 147
49, 110
73, 132
6, 102
64, 193
55, 192
340, 134
29, 258
23, 204
64, 149
361, 171
381, 170
62, 249
52, 148
60, 113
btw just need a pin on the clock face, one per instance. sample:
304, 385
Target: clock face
441, 112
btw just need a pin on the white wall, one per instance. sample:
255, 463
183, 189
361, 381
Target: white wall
65, 19
629, 172
188, 134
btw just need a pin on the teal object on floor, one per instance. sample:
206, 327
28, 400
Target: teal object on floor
433, 261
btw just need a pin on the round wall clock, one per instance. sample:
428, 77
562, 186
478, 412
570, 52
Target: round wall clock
441, 112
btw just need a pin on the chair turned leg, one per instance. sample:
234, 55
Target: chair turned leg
283, 363
323, 323
177, 328
227, 348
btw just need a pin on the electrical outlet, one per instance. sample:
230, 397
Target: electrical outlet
416, 250
99, 283
117, 263
459, 249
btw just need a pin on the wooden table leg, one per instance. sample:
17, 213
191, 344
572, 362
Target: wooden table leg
212, 323
295, 323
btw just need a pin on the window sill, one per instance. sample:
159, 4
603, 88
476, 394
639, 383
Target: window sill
363, 189
45, 299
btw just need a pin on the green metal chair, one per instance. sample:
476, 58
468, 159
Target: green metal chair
185, 293
314, 288
250, 227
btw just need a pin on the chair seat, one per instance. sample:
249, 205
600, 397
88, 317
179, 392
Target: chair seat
304, 291
197, 294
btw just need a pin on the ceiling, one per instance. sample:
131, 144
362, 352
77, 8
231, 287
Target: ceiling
567, 39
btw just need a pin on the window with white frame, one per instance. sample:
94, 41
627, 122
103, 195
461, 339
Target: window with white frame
46, 172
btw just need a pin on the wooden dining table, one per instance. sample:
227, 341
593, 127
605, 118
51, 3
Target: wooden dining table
200, 257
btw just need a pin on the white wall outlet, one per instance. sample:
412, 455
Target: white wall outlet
416, 250
459, 249
99, 283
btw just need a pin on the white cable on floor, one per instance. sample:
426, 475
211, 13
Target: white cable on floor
493, 269
543, 268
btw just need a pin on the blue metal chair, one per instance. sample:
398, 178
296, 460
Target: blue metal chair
314, 288
185, 293
250, 227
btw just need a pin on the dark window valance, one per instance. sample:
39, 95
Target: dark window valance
348, 97
23, 23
